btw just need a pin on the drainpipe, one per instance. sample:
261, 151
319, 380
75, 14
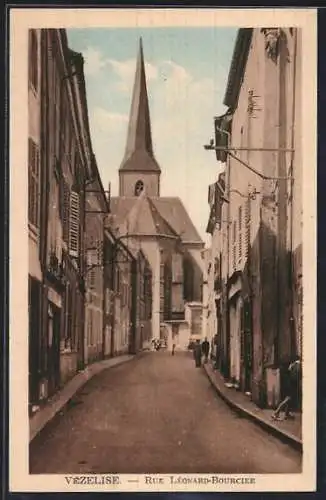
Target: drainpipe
104, 297
227, 323
292, 326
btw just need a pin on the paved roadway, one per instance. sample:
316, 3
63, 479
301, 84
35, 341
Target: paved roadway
156, 414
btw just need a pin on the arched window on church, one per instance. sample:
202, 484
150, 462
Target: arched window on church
139, 187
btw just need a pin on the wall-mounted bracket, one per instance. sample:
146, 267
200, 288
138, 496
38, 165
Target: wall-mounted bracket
247, 165
231, 149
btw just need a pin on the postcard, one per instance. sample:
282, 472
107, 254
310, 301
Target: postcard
162, 250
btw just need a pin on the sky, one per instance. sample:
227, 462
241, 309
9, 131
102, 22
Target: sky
187, 71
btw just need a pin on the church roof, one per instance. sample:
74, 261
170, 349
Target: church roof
174, 211
141, 217
139, 154
153, 215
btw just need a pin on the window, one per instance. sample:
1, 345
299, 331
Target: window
33, 183
107, 301
177, 268
91, 268
139, 187
68, 317
74, 214
33, 59
55, 226
117, 280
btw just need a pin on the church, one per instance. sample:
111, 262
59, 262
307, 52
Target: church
159, 226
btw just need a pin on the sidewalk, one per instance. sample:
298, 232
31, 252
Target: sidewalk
52, 407
289, 431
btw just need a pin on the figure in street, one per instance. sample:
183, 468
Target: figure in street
205, 349
292, 384
173, 349
197, 353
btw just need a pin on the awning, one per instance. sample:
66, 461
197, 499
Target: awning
34, 267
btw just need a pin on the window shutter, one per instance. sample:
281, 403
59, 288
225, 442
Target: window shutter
91, 261
74, 215
65, 202
33, 183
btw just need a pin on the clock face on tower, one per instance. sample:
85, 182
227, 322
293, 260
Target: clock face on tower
139, 187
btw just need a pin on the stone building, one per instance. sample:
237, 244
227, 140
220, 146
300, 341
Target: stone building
215, 303
160, 226
260, 235
60, 163
209, 297
127, 298
97, 209
35, 199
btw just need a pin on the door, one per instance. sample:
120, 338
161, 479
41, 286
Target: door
34, 339
235, 339
53, 348
78, 329
247, 345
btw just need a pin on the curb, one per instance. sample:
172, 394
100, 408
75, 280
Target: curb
59, 405
284, 436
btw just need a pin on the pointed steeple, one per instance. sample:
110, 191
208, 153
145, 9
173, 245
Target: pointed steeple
139, 154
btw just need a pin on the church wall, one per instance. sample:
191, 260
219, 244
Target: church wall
151, 249
198, 269
128, 181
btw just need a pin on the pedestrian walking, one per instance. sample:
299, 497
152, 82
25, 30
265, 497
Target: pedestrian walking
173, 349
205, 349
197, 353
292, 381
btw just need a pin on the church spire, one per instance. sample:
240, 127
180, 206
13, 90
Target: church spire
139, 148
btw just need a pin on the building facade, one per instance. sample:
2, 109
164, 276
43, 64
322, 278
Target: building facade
215, 298
260, 234
59, 165
36, 181
96, 211
127, 298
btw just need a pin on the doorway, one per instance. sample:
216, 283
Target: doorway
34, 298
246, 355
54, 316
235, 338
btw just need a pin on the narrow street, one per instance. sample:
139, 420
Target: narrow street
156, 414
